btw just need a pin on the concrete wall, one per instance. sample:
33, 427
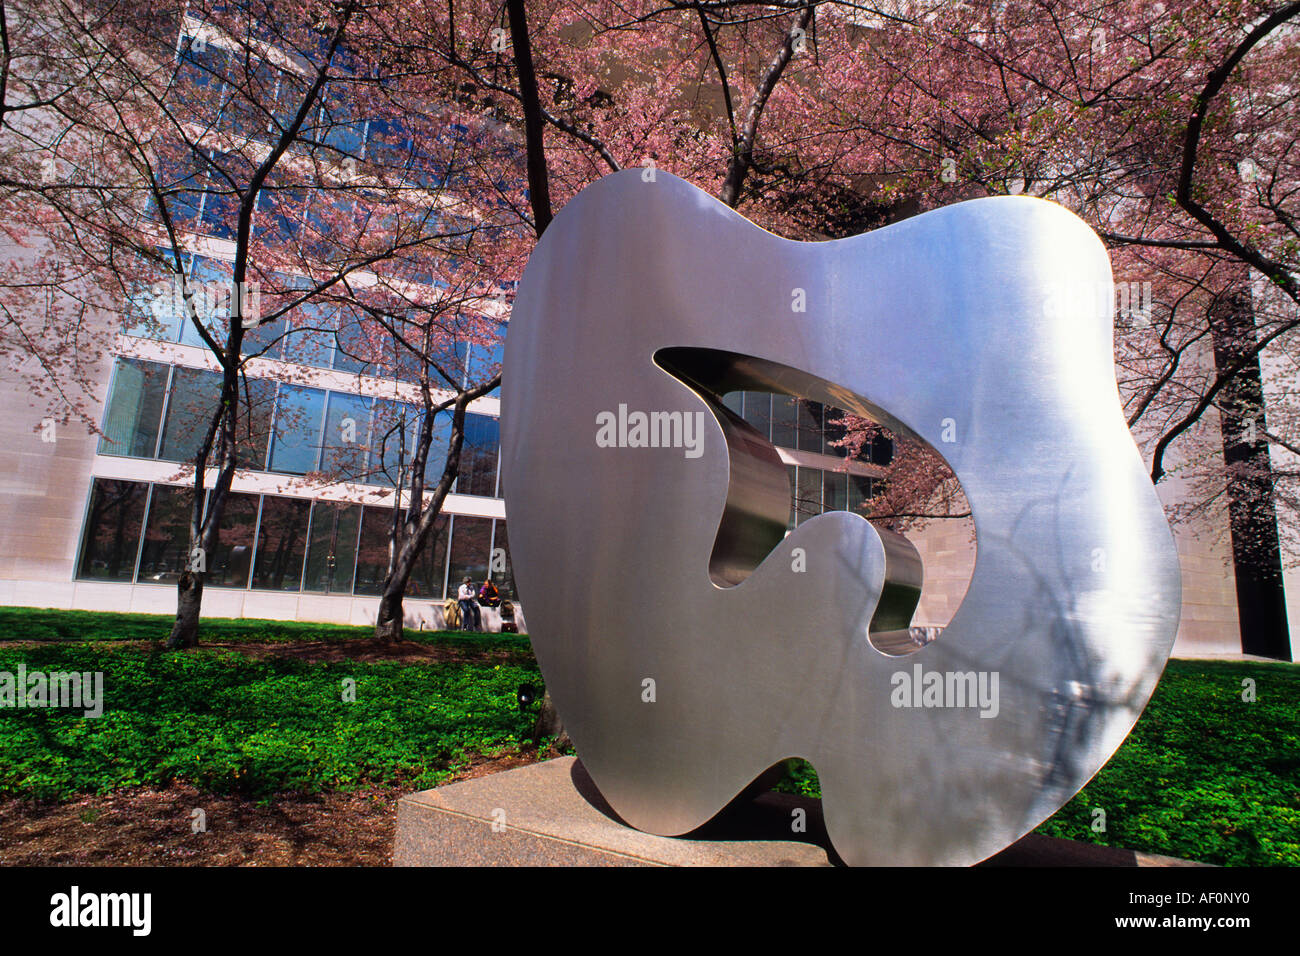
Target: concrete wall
44, 487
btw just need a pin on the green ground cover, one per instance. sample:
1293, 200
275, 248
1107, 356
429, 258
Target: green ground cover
1205, 775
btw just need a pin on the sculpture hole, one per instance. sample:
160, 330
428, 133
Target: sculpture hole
785, 430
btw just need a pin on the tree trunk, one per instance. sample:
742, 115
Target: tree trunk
410, 536
189, 599
388, 623
1256, 554
548, 724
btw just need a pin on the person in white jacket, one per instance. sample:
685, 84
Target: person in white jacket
469, 616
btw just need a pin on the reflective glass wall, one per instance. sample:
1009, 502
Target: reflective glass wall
159, 411
139, 532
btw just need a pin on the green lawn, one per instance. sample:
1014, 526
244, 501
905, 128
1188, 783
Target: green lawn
226, 721
1204, 775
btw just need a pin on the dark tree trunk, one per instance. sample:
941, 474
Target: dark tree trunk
388, 622
1256, 554
189, 600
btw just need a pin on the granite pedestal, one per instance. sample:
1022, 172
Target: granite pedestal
551, 814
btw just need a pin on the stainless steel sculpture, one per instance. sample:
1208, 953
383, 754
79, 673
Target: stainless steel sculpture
683, 650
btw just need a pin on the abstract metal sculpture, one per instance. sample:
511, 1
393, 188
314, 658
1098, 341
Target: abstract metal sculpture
683, 647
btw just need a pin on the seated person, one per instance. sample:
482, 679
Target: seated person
469, 616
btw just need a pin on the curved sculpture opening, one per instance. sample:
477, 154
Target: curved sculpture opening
764, 496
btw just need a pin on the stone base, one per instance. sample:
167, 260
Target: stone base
551, 814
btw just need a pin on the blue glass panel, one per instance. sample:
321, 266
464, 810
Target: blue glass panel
209, 283
478, 456
295, 447
346, 437
485, 361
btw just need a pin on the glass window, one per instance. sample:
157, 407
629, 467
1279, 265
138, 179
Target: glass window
478, 456
326, 211
193, 401
860, 491
165, 552
111, 536
209, 285
200, 88
332, 547
265, 340
372, 559
154, 310
281, 539
340, 128
279, 211
181, 183
134, 409
299, 414
808, 500
346, 437
358, 346
220, 200
833, 432
735, 401
809, 426
228, 565
485, 360
882, 450
437, 459
758, 412
835, 491
202, 65
400, 362
257, 404
503, 571
471, 542
388, 144
310, 340
254, 98
793, 474
431, 566
784, 420
392, 433
291, 90
372, 553
456, 361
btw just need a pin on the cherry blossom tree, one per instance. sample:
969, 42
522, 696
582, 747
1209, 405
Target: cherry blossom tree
240, 124
1169, 127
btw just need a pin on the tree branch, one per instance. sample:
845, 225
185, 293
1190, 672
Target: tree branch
742, 161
